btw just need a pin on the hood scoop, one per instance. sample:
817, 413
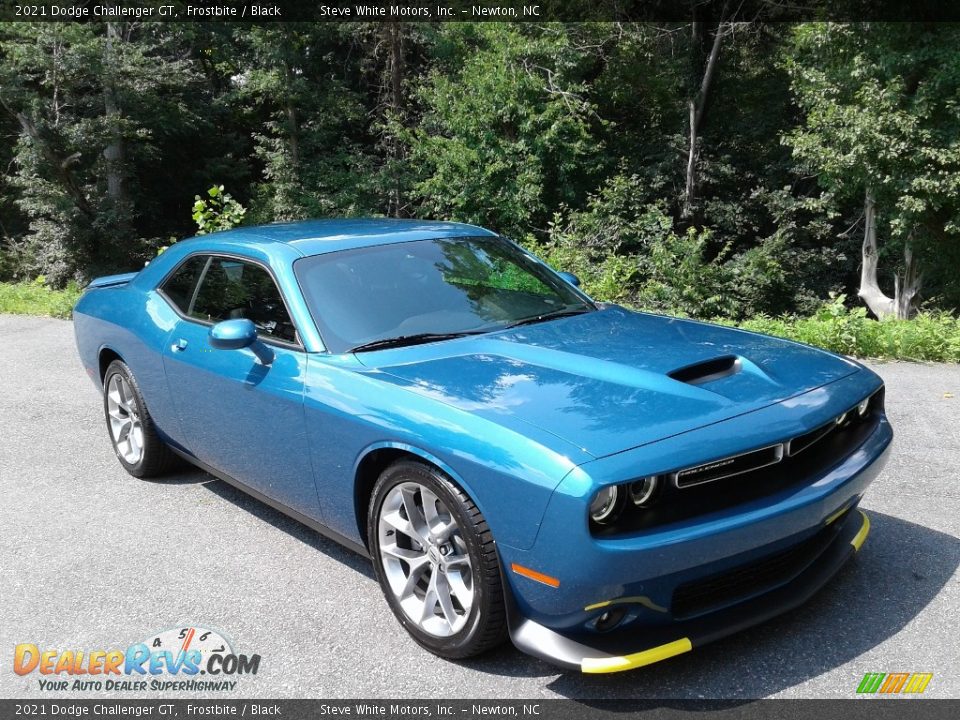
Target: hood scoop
708, 370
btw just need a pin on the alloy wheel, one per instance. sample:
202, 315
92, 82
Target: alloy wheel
425, 559
126, 429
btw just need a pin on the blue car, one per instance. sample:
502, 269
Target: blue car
606, 488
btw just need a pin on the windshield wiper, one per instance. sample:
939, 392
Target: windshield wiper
426, 337
416, 339
553, 314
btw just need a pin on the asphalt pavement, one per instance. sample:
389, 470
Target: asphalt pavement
91, 558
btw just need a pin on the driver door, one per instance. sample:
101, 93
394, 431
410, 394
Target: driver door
239, 416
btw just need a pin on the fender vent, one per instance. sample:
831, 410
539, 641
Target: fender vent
707, 371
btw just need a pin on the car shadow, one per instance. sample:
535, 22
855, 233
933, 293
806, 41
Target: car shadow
294, 528
900, 570
187, 475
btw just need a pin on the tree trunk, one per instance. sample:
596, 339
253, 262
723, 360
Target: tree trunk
697, 107
396, 66
870, 292
113, 153
689, 197
906, 288
293, 120
294, 134
395, 69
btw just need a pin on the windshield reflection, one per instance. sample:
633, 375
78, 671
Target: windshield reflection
428, 290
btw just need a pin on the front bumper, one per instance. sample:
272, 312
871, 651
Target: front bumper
683, 584
642, 645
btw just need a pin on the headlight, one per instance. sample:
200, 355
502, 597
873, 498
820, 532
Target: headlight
643, 490
863, 407
604, 504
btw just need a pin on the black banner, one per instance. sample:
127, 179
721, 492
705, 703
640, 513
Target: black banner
861, 709
475, 11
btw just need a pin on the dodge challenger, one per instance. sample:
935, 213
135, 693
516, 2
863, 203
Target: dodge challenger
607, 488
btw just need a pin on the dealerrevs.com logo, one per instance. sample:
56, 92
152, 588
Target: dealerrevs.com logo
189, 659
894, 683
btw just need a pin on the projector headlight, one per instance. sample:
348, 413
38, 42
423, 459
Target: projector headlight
604, 504
643, 490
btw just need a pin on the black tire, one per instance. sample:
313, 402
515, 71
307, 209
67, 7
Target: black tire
156, 458
486, 626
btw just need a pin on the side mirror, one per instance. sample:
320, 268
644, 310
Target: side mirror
570, 278
233, 334
239, 334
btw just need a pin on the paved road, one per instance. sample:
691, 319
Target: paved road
91, 558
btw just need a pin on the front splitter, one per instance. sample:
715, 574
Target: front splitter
636, 647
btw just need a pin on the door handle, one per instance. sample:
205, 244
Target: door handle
179, 346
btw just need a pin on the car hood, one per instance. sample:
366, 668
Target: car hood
610, 380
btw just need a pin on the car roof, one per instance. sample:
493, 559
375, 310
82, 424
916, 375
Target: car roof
315, 237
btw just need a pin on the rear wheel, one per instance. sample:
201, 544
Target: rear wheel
436, 561
139, 448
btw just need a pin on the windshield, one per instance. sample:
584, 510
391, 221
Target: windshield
428, 290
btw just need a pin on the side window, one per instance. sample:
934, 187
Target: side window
236, 289
179, 287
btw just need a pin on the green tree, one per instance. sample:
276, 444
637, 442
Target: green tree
312, 135
647, 157
881, 123
89, 101
506, 132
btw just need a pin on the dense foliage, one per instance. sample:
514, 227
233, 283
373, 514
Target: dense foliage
714, 170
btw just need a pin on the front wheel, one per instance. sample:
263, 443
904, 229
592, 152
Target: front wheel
436, 561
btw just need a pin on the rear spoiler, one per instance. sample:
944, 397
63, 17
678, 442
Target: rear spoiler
108, 281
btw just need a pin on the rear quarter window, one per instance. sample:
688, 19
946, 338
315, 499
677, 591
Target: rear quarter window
179, 287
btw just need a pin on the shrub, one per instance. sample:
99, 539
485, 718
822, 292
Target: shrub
627, 250
608, 277
930, 336
36, 298
677, 277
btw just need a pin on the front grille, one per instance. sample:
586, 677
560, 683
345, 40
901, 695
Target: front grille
759, 459
728, 467
727, 482
799, 444
746, 581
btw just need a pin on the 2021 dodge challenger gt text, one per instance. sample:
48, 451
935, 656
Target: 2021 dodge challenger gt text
607, 488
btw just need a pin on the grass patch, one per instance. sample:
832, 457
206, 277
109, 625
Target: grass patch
37, 299
928, 337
